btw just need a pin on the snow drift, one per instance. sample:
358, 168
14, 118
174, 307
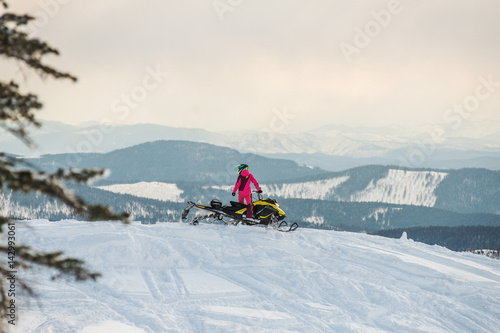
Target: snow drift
172, 277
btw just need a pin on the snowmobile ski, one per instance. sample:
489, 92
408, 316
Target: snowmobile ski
283, 227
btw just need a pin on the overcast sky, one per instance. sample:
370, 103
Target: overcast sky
248, 64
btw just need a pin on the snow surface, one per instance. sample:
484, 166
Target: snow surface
150, 190
174, 277
403, 187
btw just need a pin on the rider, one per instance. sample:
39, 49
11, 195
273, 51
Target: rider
245, 191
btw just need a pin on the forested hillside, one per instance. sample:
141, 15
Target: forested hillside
196, 167
177, 161
464, 238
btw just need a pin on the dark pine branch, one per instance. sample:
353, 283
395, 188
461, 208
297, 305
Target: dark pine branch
16, 111
16, 44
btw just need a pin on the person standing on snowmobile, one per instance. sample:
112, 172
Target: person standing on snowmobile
245, 190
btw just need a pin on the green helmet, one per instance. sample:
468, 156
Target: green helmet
242, 167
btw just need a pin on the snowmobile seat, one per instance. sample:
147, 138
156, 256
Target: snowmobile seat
238, 205
271, 201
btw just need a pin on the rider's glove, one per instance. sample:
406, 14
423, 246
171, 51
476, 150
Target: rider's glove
259, 191
234, 194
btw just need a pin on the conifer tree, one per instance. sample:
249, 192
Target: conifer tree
17, 116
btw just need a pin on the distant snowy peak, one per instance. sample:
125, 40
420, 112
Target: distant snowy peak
403, 187
385, 143
150, 190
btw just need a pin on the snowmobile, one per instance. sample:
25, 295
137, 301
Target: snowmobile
266, 214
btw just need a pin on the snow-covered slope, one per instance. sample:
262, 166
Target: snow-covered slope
150, 190
403, 187
321, 189
173, 277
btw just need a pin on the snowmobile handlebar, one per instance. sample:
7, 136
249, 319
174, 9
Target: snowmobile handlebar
259, 194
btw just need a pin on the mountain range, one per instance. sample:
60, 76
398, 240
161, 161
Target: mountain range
330, 147
211, 170
177, 161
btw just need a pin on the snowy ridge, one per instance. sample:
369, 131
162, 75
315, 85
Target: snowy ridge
403, 187
150, 190
398, 187
173, 277
320, 189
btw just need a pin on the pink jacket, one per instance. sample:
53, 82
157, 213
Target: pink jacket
243, 183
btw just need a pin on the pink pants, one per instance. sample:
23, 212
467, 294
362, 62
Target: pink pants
242, 196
